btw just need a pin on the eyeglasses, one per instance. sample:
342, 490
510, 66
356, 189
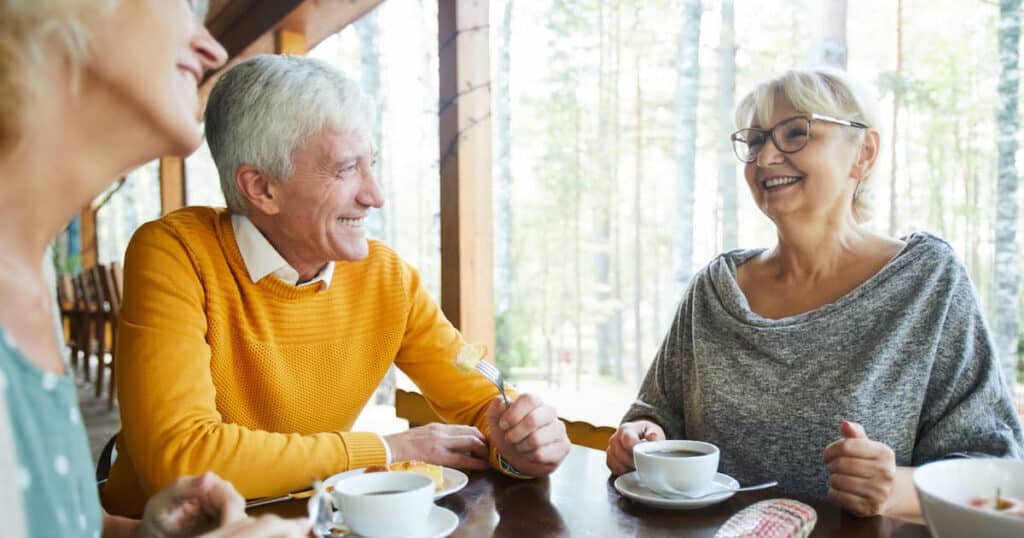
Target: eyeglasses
789, 136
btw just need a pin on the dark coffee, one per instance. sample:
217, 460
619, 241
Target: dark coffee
386, 492
677, 453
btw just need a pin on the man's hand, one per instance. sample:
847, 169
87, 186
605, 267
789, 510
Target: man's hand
619, 455
862, 472
528, 434
462, 447
196, 504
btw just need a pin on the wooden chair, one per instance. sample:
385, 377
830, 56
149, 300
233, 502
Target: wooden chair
70, 315
117, 276
109, 303
82, 338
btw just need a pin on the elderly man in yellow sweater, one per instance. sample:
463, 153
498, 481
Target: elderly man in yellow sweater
251, 338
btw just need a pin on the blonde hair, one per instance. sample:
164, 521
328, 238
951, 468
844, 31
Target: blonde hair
818, 90
28, 30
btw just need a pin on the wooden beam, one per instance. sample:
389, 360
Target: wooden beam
87, 237
242, 22
315, 19
467, 284
289, 41
172, 184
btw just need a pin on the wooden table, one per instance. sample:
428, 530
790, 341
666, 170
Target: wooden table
579, 500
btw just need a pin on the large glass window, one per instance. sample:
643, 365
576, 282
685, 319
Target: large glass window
392, 51
610, 119
125, 206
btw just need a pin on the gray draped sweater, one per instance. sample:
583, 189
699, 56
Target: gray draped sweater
906, 354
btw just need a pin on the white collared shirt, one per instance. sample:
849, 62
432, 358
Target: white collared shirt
262, 259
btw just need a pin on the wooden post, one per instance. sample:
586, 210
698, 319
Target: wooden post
467, 283
289, 42
172, 184
87, 237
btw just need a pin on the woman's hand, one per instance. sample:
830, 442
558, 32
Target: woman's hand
862, 472
619, 455
196, 504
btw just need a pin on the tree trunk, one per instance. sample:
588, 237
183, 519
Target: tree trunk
638, 358
577, 214
897, 97
503, 188
688, 70
726, 103
602, 206
503, 172
1006, 277
616, 295
368, 30
831, 50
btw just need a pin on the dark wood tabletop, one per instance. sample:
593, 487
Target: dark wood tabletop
579, 500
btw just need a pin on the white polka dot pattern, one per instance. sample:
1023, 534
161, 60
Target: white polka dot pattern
49, 381
8, 340
74, 415
60, 464
24, 478
3, 382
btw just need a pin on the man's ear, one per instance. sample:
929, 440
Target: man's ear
257, 188
867, 155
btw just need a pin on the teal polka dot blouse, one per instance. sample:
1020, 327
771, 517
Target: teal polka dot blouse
53, 466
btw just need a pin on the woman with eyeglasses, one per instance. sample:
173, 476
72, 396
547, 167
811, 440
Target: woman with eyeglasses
88, 90
840, 359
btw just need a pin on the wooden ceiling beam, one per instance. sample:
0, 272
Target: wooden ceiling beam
242, 22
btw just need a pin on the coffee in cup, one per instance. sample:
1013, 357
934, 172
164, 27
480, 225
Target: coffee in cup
385, 505
674, 467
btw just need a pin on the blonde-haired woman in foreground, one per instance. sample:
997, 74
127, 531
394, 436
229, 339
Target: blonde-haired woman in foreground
839, 359
88, 90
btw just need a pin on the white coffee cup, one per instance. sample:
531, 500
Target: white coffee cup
385, 504
674, 467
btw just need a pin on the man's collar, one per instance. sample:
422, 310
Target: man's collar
262, 259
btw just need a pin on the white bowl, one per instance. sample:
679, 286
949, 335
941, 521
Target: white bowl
945, 487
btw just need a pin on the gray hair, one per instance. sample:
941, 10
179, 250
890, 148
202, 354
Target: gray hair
27, 29
263, 109
821, 90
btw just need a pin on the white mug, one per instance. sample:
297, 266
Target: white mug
676, 467
385, 504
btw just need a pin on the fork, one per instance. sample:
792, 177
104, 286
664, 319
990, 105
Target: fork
492, 373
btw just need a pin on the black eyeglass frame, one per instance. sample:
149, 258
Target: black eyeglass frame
735, 138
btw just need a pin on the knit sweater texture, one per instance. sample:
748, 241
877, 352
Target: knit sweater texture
261, 382
906, 354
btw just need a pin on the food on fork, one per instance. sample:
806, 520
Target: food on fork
435, 472
469, 356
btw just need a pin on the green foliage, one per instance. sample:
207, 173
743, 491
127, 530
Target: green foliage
513, 348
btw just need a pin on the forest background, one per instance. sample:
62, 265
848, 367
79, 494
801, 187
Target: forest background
613, 177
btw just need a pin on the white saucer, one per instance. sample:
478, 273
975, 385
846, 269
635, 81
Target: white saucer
629, 486
440, 523
452, 480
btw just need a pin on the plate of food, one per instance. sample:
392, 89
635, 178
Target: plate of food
446, 480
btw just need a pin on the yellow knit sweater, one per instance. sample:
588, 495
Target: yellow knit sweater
261, 382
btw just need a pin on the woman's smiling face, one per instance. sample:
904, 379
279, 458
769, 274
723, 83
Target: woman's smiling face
814, 180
